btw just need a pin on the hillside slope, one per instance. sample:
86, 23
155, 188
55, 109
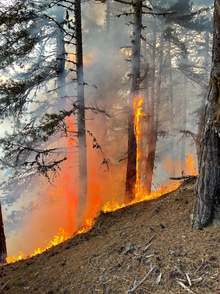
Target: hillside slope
122, 248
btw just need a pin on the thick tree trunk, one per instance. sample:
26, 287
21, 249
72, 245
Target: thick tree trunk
81, 110
135, 86
207, 208
202, 113
3, 250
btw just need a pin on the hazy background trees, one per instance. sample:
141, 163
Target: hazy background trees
164, 51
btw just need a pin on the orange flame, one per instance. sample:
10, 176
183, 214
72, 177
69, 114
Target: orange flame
113, 205
139, 114
56, 240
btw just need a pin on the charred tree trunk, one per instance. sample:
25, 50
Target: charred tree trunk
135, 87
207, 208
81, 119
3, 250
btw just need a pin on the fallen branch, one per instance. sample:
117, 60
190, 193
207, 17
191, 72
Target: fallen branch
149, 243
137, 285
188, 279
4, 286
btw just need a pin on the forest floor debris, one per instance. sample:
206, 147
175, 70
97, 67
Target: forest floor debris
147, 248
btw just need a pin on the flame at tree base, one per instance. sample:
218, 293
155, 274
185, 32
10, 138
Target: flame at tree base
140, 197
108, 207
113, 205
62, 236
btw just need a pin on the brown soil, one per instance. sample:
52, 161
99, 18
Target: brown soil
116, 253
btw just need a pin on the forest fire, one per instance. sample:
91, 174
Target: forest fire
140, 195
64, 188
59, 238
56, 240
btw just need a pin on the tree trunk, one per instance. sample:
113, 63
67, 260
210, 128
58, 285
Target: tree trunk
170, 75
184, 126
151, 136
135, 86
154, 121
108, 15
81, 110
203, 107
207, 208
61, 57
3, 250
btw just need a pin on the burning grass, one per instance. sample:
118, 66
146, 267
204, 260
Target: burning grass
94, 206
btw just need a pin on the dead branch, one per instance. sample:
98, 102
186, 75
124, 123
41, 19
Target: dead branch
138, 284
188, 279
188, 133
149, 243
183, 178
4, 286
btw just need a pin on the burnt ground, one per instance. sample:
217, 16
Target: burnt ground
151, 242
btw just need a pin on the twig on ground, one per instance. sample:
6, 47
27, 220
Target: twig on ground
185, 287
138, 284
4, 286
149, 243
188, 279
158, 279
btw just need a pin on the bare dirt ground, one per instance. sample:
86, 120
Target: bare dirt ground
146, 248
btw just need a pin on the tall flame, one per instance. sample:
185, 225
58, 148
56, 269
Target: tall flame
94, 204
139, 114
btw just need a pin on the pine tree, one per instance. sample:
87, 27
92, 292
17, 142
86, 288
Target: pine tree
134, 92
3, 250
208, 187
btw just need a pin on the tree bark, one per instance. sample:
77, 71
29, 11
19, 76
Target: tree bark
135, 87
3, 250
81, 110
207, 207
61, 57
203, 107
